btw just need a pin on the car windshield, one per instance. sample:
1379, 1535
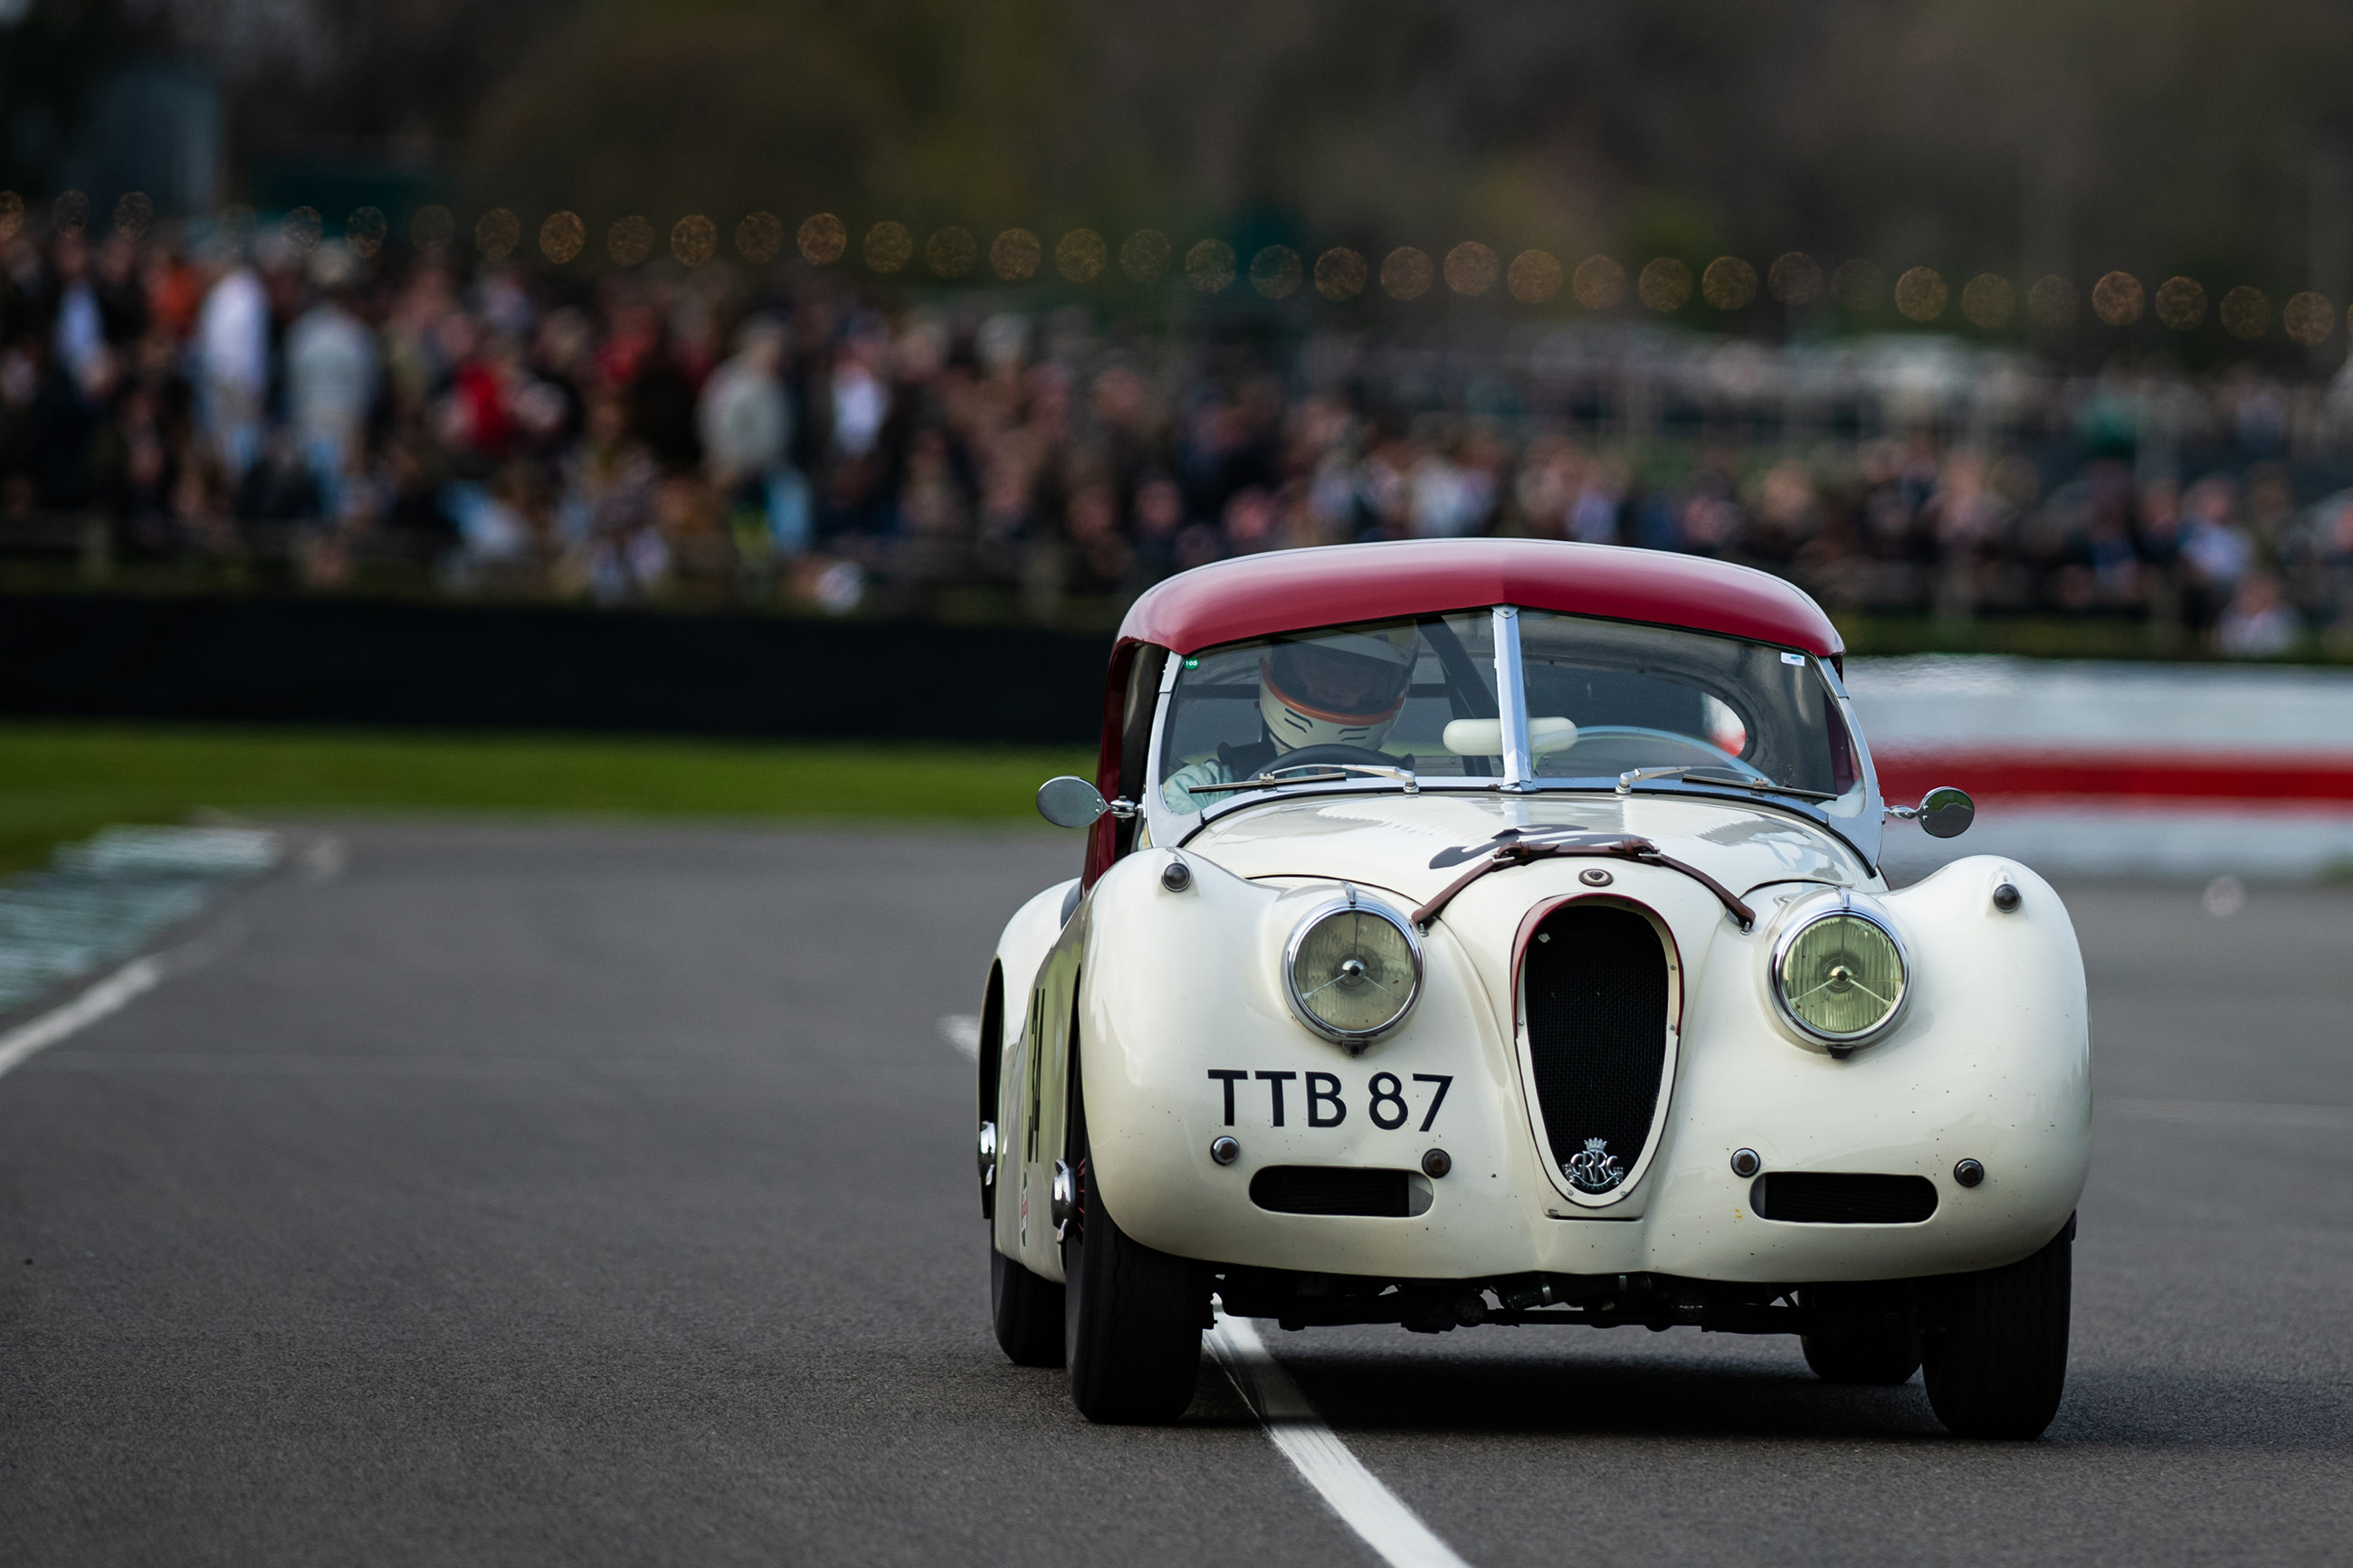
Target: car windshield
1605, 698
1417, 694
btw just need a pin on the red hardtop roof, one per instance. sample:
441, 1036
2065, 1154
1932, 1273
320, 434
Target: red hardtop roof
1297, 590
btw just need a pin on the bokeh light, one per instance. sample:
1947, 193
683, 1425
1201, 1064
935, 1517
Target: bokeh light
2246, 312
1795, 278
1598, 282
2051, 302
822, 239
1665, 285
887, 246
2117, 298
1080, 256
303, 229
432, 229
1209, 265
1534, 277
694, 239
1921, 294
562, 237
1987, 300
1472, 268
365, 231
1728, 284
1341, 274
497, 231
1858, 286
1406, 273
950, 252
630, 240
2308, 318
1014, 255
12, 214
2180, 303
1276, 271
134, 214
759, 236
1145, 255
70, 214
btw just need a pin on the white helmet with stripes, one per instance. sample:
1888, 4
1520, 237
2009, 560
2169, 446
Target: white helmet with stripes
1336, 687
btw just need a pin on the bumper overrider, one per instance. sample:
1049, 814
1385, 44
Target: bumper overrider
1955, 1139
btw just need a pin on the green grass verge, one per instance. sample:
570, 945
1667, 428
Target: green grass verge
64, 781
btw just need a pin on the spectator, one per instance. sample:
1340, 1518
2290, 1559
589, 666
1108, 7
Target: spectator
745, 418
2258, 623
232, 355
330, 377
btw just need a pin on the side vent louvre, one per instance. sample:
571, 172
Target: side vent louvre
1827, 1197
1339, 1190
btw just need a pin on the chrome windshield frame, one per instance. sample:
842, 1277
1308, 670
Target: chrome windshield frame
1520, 775
1511, 701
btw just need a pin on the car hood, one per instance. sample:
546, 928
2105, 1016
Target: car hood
1415, 845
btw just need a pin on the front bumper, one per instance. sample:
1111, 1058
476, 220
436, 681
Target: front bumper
1991, 1063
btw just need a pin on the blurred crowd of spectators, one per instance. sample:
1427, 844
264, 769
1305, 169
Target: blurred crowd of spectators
675, 434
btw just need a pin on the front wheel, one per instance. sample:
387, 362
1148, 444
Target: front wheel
1132, 1318
1996, 1358
1028, 1313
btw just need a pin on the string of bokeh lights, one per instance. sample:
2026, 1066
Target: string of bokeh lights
1665, 284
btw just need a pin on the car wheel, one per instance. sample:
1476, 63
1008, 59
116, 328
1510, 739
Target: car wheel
1132, 1318
1997, 1358
1028, 1310
1876, 1355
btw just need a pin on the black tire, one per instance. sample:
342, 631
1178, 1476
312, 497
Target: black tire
1132, 1318
1027, 1311
1876, 1356
1996, 1354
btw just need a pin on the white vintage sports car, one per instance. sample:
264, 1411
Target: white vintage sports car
1493, 932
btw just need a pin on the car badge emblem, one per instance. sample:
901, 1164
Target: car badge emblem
1597, 1169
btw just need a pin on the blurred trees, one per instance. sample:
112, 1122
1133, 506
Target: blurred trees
2005, 134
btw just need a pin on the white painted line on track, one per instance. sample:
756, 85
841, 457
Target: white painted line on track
962, 1030
1377, 1515
108, 995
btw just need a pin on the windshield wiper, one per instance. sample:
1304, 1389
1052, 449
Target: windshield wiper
1314, 772
1700, 773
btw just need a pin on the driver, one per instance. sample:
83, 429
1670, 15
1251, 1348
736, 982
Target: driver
1336, 690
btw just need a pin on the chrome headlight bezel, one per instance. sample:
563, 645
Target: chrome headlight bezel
1352, 902
1814, 914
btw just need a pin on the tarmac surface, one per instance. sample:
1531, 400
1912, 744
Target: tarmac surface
539, 1195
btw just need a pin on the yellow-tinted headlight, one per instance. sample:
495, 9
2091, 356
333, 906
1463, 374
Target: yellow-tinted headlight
1840, 976
1352, 971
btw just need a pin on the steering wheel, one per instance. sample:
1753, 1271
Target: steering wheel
1707, 756
1332, 752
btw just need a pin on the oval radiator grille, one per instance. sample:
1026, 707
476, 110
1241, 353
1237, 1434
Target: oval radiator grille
1596, 980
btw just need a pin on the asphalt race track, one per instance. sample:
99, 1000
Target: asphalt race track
519, 1196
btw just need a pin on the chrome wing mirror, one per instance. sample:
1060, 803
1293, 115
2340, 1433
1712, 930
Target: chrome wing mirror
1068, 802
1943, 813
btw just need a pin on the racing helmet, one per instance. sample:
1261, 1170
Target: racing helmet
1336, 688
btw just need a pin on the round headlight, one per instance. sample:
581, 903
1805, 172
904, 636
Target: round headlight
1839, 976
1352, 970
